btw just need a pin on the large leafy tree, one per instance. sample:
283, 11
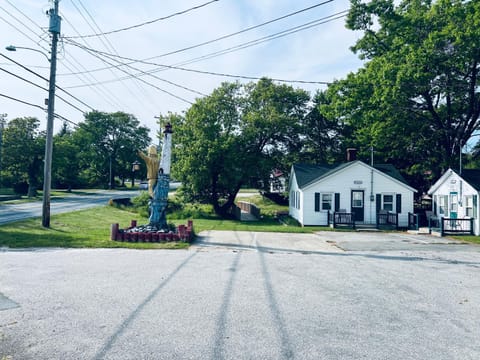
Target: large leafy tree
417, 98
22, 153
109, 141
65, 160
235, 136
324, 137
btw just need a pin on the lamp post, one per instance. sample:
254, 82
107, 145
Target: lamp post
135, 167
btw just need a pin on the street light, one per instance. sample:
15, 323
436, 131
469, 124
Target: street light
135, 167
14, 48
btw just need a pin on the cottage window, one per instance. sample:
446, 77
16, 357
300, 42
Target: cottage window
442, 204
387, 202
469, 206
323, 202
327, 200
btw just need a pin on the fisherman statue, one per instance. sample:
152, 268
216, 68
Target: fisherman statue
158, 173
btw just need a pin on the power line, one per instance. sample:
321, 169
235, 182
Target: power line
42, 40
274, 36
21, 32
45, 89
144, 23
107, 96
89, 23
45, 79
224, 36
243, 31
38, 107
24, 15
23, 102
94, 53
277, 35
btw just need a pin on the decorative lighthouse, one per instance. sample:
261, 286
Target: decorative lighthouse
157, 229
158, 204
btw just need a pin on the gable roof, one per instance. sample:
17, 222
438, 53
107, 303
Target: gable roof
307, 173
471, 176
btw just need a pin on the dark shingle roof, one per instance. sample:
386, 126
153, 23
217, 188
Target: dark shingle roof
308, 173
472, 176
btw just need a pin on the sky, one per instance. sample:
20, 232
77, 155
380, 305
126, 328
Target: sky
101, 43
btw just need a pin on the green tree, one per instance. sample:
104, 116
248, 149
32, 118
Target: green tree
235, 136
23, 152
65, 160
325, 138
417, 99
109, 141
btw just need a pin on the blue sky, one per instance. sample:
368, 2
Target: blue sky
320, 53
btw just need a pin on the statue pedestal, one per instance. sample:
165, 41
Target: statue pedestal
158, 205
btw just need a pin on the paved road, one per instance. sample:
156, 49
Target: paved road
242, 296
15, 212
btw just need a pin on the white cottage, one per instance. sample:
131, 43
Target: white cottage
353, 187
456, 196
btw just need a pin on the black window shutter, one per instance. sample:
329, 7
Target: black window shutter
337, 201
379, 202
399, 203
317, 202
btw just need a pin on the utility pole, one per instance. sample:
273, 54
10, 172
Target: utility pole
54, 29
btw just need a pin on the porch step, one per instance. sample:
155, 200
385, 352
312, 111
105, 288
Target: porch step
420, 231
366, 227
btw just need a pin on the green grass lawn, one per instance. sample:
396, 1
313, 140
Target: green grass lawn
468, 238
91, 229
79, 229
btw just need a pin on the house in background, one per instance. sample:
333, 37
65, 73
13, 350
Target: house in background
315, 191
277, 182
456, 197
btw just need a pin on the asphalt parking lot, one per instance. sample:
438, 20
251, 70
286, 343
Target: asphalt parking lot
332, 241
245, 296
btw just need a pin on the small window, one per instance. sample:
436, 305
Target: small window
327, 201
387, 202
469, 206
453, 202
442, 204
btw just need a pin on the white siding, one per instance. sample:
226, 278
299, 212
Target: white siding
451, 182
292, 209
355, 177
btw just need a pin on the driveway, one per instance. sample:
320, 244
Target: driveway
331, 241
244, 296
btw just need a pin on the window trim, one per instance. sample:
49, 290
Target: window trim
389, 202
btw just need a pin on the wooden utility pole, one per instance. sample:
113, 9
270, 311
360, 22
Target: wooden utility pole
54, 29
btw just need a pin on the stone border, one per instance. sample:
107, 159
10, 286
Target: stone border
184, 233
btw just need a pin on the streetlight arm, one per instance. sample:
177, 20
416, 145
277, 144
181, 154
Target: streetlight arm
14, 48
